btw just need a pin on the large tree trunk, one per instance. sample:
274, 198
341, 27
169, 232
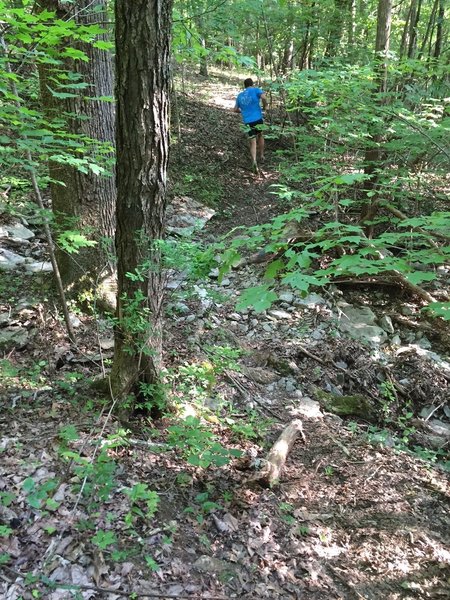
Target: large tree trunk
142, 94
87, 201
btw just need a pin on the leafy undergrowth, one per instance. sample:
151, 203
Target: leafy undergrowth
94, 508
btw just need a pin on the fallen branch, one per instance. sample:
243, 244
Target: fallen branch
403, 217
274, 463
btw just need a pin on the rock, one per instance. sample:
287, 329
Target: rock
260, 375
75, 321
344, 406
439, 427
279, 314
359, 324
185, 215
225, 282
19, 232
106, 343
39, 267
406, 310
317, 334
191, 318
10, 260
308, 408
267, 327
311, 300
222, 568
181, 308
341, 364
424, 343
286, 297
386, 324
396, 341
13, 337
235, 317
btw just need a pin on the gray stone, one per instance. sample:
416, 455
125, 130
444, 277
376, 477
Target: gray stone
286, 297
214, 566
359, 324
386, 324
225, 282
311, 300
267, 327
185, 214
19, 232
10, 260
181, 308
396, 341
317, 334
439, 427
260, 375
308, 408
406, 310
13, 337
234, 316
39, 267
106, 343
75, 321
279, 314
190, 318
424, 343
341, 364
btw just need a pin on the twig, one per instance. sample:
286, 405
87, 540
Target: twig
96, 588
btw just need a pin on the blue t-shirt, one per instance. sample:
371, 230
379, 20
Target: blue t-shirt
248, 102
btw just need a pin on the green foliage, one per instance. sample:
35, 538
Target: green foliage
103, 539
28, 136
198, 444
140, 494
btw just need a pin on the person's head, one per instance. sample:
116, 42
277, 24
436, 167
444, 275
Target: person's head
248, 82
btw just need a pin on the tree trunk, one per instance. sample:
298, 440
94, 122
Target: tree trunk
416, 7
87, 199
372, 157
439, 30
142, 94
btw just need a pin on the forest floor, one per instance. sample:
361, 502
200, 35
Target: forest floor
361, 509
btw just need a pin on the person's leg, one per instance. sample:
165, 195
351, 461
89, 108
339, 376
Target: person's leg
253, 149
261, 145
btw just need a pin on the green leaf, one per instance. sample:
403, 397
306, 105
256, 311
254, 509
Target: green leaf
260, 298
28, 485
419, 276
273, 269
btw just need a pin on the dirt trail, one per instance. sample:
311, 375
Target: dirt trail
212, 158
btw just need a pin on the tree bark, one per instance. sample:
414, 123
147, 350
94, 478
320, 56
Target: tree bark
373, 154
276, 459
87, 199
142, 93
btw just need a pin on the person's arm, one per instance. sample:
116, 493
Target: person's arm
236, 108
263, 100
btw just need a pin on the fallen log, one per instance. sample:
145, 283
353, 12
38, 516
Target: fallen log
274, 463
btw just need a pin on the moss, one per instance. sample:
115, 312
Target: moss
356, 405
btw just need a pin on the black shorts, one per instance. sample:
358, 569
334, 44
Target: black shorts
253, 128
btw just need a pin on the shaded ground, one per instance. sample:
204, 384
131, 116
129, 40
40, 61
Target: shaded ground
352, 517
